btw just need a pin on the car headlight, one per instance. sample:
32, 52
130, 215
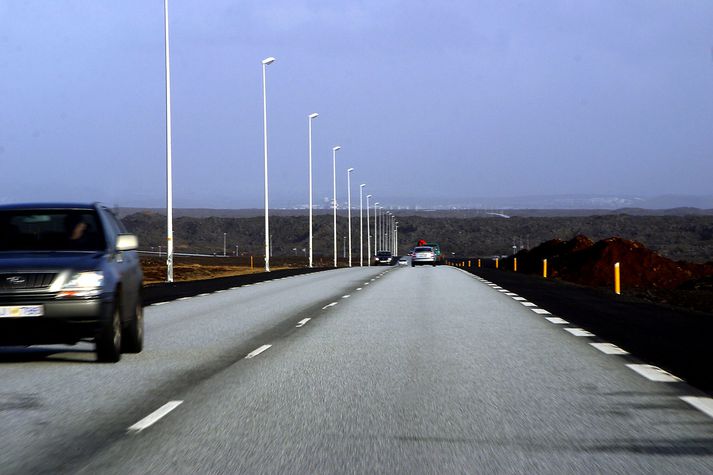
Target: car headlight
82, 284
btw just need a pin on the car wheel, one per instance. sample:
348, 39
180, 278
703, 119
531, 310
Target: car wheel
108, 339
413, 264
434, 264
133, 340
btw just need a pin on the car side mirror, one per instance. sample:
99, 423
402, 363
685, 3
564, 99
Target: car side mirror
127, 242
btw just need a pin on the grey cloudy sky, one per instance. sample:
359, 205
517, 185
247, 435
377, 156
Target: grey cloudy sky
432, 102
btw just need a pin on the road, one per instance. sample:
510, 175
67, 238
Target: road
397, 370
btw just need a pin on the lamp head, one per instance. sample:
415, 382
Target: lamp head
349, 170
313, 115
269, 60
362, 185
334, 149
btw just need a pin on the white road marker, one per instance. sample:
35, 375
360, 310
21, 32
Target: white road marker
346, 296
579, 332
609, 349
302, 322
511, 294
219, 291
256, 352
556, 320
529, 304
235, 288
519, 299
329, 305
654, 373
503, 290
203, 295
540, 311
358, 288
185, 298
366, 283
158, 303
703, 404
155, 416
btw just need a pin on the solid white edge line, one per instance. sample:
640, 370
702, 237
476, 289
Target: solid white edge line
579, 332
302, 322
155, 416
257, 351
557, 320
703, 404
609, 349
654, 373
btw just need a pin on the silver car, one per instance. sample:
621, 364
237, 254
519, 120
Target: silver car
423, 255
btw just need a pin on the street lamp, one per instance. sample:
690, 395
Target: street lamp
334, 197
349, 212
361, 225
265, 63
169, 173
309, 121
376, 227
368, 234
396, 239
225, 237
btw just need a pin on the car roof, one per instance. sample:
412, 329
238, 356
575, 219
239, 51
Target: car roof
22, 206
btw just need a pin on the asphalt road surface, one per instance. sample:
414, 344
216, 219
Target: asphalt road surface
364, 370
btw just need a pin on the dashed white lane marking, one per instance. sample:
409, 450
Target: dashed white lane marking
511, 294
203, 295
234, 288
578, 332
155, 416
519, 299
703, 404
346, 296
302, 322
540, 311
158, 303
185, 298
654, 373
366, 283
556, 320
329, 305
609, 349
529, 304
219, 291
256, 352
503, 290
358, 288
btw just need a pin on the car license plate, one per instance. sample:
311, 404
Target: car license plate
22, 311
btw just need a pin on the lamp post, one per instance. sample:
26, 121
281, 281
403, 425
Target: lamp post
309, 121
169, 173
376, 227
368, 234
396, 239
334, 198
349, 212
361, 225
225, 237
265, 63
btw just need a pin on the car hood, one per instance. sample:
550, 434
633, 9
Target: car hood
39, 261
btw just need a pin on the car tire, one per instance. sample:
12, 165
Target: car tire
132, 340
434, 263
413, 264
108, 339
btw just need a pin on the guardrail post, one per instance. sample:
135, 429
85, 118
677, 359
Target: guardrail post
617, 279
251, 263
514, 264
544, 268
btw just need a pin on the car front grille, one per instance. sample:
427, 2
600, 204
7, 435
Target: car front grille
25, 281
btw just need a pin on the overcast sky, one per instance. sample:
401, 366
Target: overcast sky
432, 101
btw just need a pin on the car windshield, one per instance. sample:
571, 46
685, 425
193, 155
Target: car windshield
380, 254
50, 230
423, 249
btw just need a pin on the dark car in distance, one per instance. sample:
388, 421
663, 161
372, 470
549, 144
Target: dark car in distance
69, 272
383, 258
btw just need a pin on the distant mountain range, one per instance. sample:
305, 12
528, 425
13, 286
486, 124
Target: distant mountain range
546, 205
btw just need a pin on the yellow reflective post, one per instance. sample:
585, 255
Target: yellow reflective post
514, 264
496, 262
251, 262
544, 268
617, 279
478, 263
469, 263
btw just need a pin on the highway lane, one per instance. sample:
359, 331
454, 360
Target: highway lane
423, 370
